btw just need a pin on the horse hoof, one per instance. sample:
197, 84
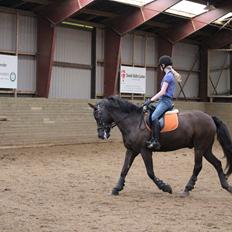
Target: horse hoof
184, 194
115, 192
168, 189
229, 189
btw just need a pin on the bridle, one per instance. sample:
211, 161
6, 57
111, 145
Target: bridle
107, 126
101, 124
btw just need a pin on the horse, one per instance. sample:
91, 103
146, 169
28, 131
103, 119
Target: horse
196, 130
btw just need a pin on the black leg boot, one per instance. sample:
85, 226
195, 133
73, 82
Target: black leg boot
154, 143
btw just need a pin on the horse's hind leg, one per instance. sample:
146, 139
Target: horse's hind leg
196, 170
218, 166
129, 158
147, 158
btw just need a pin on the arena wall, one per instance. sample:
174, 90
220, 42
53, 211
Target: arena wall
37, 121
34, 121
221, 110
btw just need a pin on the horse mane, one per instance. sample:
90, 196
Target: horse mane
115, 102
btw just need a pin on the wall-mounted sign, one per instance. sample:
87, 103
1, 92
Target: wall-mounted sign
132, 80
8, 72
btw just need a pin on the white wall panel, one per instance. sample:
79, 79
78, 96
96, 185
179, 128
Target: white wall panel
100, 34
27, 34
151, 52
70, 83
26, 73
151, 79
191, 88
100, 48
99, 80
127, 49
222, 84
133, 50
139, 50
73, 46
8, 32
220, 78
142, 51
186, 57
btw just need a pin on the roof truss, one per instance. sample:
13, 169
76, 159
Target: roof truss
138, 16
192, 25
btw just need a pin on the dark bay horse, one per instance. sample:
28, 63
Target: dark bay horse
196, 130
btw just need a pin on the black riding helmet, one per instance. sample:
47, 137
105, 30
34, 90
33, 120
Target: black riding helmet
165, 60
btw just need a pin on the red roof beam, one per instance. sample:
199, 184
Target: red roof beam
138, 16
58, 12
184, 30
45, 56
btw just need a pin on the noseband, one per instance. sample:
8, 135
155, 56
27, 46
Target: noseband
101, 124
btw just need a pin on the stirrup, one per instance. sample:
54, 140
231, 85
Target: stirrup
154, 144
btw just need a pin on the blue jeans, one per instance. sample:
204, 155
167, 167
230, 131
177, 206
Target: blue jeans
164, 104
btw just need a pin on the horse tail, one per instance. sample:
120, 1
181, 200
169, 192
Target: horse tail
224, 138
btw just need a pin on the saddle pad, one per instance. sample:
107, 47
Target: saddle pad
170, 121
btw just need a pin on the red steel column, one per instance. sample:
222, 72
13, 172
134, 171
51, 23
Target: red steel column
111, 64
164, 48
230, 73
203, 79
45, 56
230, 68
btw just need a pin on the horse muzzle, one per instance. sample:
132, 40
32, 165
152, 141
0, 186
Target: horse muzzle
103, 135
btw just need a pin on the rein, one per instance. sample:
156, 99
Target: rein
116, 123
105, 126
143, 115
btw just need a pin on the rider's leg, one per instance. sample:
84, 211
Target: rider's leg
161, 108
154, 143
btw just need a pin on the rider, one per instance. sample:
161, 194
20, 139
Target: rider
165, 96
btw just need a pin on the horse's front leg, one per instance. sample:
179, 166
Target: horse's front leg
129, 158
147, 158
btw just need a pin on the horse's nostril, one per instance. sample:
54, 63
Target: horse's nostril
100, 136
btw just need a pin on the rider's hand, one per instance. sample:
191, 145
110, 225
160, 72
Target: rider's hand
147, 102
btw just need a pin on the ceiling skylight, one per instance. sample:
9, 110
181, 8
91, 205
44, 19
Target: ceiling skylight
134, 2
224, 19
187, 8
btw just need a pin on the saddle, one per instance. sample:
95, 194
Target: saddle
168, 121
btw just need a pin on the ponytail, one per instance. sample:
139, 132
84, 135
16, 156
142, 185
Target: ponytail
176, 75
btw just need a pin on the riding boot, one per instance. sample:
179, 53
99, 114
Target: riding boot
154, 143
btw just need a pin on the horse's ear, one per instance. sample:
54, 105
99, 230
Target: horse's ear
92, 106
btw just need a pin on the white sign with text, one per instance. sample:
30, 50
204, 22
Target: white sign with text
132, 80
8, 71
